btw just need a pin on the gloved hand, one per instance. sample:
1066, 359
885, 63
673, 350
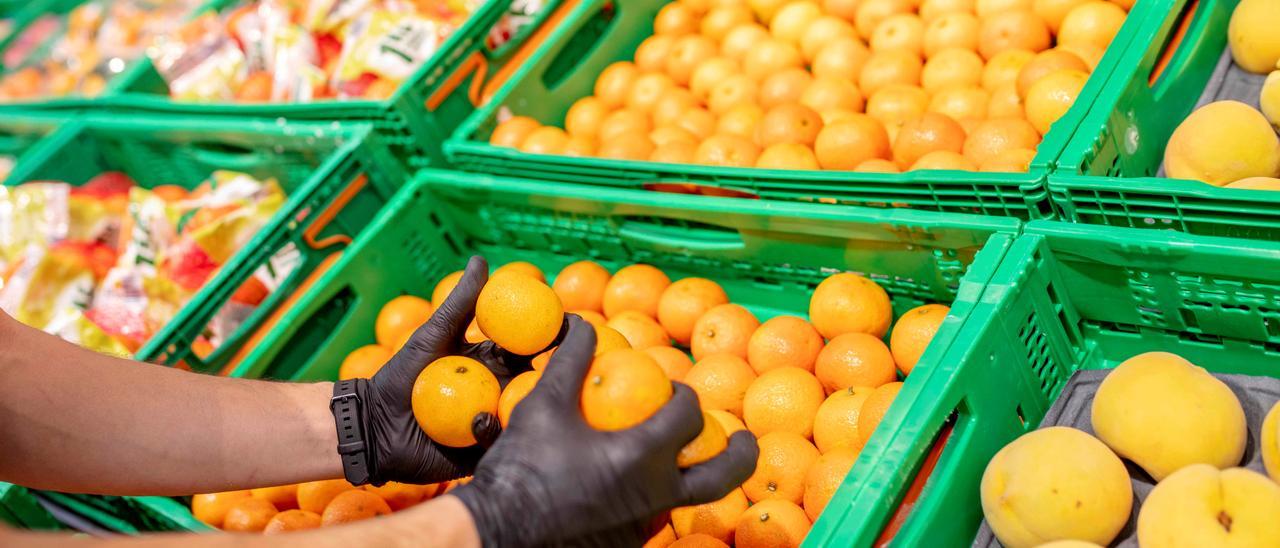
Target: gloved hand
552, 479
402, 452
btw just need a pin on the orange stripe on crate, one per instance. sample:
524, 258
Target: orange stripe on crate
1174, 43
322, 220
473, 63
503, 74
913, 493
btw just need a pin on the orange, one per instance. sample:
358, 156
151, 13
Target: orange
283, 497
1054, 11
792, 21
545, 140
519, 313
944, 160
675, 19
399, 318
473, 334
912, 333
771, 56
249, 516
783, 341
732, 91
931, 9
580, 286
992, 138
711, 441
623, 388
513, 131
835, 115
1045, 62
725, 329
686, 300
831, 93
854, 359
170, 193
699, 540
721, 382
686, 54
1005, 66
709, 73
399, 496
716, 519
902, 31
211, 508
636, 287
624, 122
640, 330
887, 67
822, 31
444, 287
878, 165
364, 362
952, 67
785, 86
779, 475
516, 390
596, 319
1126, 4
772, 524
789, 123
961, 103
673, 153
1014, 29
608, 338
871, 13
521, 267
785, 399
727, 150
538, 363
1005, 103
845, 143
787, 156
844, 9
668, 110
647, 91
313, 496
673, 361
626, 147
717, 23
1094, 23
1014, 160
740, 120
698, 121
448, 394
741, 39
651, 54
292, 520
699, 7
841, 58
849, 303
668, 135
730, 422
894, 104
765, 9
987, 8
825, 477
836, 424
615, 82
951, 30
1052, 96
663, 538
353, 506
874, 409
1088, 53
585, 117
927, 133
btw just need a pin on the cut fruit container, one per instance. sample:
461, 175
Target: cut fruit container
599, 32
767, 256
1065, 297
1110, 173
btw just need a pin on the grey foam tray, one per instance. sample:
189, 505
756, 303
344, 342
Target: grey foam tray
1072, 408
1229, 82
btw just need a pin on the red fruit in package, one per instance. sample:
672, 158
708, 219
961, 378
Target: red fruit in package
188, 265
106, 185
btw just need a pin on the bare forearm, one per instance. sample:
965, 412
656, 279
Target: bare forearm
75, 420
440, 522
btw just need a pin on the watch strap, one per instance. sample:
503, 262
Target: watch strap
354, 435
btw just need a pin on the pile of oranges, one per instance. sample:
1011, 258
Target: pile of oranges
285, 508
862, 85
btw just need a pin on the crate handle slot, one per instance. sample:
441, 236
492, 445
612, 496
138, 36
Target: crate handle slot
1174, 58
324, 217
533, 44
680, 235
228, 156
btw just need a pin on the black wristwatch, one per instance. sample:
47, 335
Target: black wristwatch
355, 437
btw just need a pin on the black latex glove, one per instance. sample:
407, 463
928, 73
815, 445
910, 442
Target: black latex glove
402, 452
552, 479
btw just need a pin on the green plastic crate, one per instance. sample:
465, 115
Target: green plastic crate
414, 122
336, 182
1065, 297
1107, 174
768, 256
601, 32
19, 508
18, 134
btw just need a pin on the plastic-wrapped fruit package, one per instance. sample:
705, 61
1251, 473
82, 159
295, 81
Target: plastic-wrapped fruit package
109, 263
277, 51
93, 43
